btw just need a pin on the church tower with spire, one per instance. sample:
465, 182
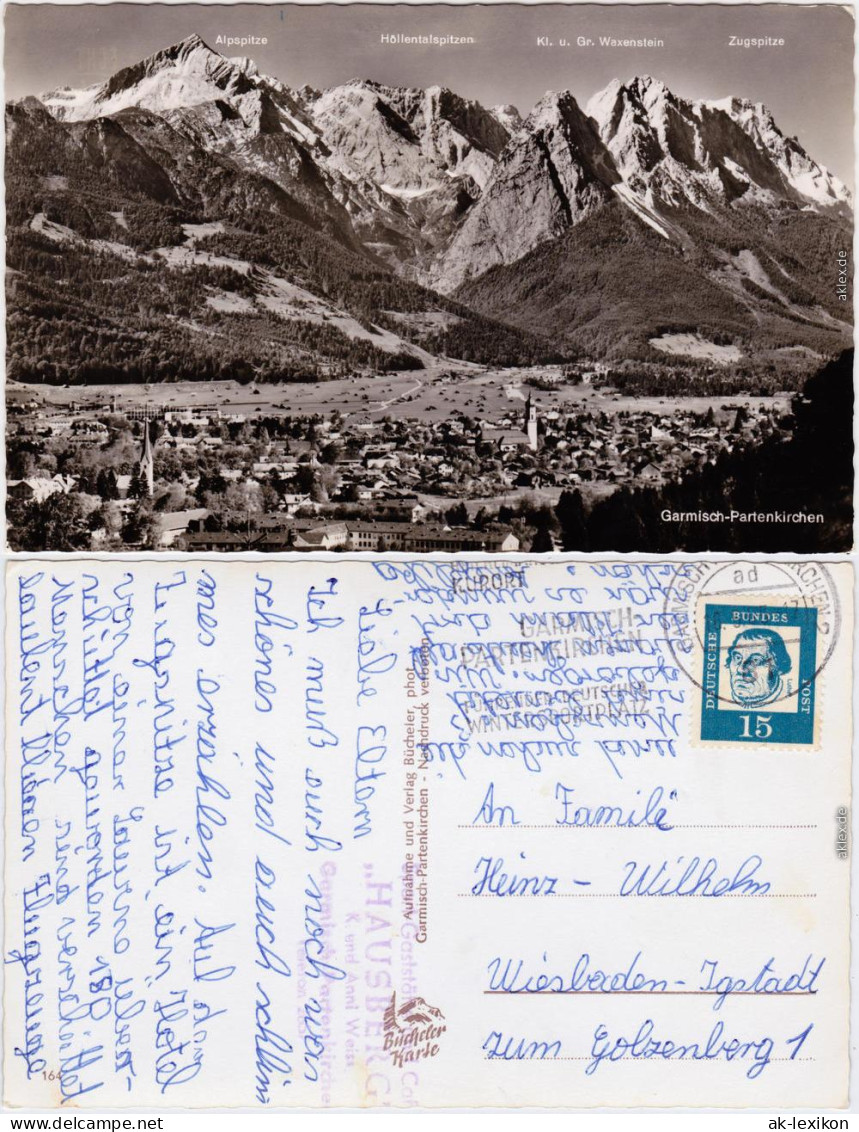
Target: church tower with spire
530, 424
147, 460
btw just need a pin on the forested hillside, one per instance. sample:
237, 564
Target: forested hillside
611, 283
106, 285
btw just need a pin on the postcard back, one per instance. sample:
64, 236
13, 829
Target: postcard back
427, 833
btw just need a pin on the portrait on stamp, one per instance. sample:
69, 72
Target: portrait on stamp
758, 663
759, 674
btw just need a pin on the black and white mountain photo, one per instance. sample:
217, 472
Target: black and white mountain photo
391, 278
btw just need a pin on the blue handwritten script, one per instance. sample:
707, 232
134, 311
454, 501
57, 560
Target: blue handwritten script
271, 639
294, 833
753, 1054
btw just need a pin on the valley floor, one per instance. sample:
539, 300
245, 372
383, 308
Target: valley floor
436, 446
432, 394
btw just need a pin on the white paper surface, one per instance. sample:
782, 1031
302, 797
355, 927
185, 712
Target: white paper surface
340, 833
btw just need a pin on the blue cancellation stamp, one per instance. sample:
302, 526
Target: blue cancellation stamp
759, 673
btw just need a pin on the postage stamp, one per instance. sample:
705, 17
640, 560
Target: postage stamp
758, 678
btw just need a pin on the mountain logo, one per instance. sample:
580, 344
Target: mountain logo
412, 1030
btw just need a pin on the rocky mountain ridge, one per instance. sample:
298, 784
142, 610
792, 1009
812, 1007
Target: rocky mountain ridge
443, 188
435, 189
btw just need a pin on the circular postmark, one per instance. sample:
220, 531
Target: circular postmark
782, 585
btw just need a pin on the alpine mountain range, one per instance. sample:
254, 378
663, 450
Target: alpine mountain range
411, 224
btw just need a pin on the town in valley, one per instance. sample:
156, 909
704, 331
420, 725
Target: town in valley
445, 460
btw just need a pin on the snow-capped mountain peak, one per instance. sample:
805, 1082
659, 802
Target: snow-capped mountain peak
435, 181
508, 116
186, 74
246, 65
805, 176
186, 47
408, 140
671, 149
642, 93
